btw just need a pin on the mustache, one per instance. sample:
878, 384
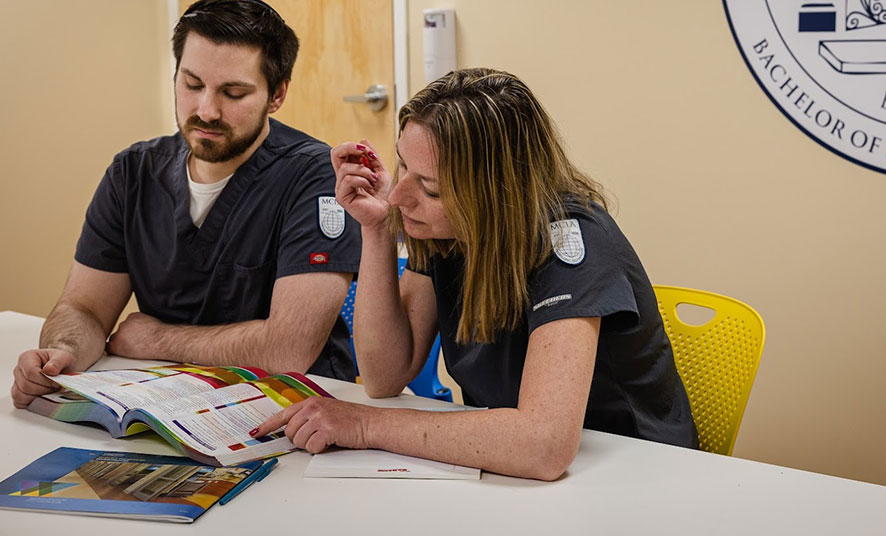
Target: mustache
214, 126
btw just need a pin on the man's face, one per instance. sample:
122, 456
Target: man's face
221, 98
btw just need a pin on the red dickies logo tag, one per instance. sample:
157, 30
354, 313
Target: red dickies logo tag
319, 258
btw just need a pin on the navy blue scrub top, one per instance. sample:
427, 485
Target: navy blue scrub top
594, 272
276, 217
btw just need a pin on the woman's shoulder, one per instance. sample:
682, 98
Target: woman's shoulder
584, 227
586, 215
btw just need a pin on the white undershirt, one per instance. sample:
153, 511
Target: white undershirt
203, 196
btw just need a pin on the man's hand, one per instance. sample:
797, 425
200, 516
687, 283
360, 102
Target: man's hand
317, 423
29, 379
135, 337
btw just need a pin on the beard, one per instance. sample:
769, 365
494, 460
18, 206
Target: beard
227, 148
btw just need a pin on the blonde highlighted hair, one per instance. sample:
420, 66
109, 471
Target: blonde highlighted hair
503, 176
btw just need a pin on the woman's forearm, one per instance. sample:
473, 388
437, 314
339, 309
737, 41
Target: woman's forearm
382, 334
506, 440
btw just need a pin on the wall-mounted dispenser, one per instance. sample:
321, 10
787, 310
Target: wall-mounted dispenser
439, 42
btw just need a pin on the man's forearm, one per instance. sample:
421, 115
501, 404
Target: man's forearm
254, 343
303, 310
77, 331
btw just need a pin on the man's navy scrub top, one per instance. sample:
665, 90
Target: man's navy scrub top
276, 217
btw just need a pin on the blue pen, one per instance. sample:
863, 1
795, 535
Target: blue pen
268, 467
256, 475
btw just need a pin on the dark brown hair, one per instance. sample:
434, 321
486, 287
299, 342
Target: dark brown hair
242, 22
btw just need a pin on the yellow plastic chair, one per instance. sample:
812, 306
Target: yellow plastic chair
717, 360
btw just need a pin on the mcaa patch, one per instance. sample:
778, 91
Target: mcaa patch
566, 239
331, 216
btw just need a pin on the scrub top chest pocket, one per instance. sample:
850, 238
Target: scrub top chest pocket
245, 290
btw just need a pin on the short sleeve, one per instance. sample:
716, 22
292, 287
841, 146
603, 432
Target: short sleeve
317, 234
588, 274
102, 243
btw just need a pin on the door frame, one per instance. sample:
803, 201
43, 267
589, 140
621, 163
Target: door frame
401, 57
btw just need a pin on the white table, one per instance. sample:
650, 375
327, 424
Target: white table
616, 485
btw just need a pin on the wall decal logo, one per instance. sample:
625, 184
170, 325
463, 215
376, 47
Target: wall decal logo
823, 64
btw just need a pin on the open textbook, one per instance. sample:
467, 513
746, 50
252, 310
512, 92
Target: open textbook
120, 484
204, 412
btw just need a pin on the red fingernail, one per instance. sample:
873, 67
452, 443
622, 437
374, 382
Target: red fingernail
361, 147
364, 160
253, 432
372, 155
374, 175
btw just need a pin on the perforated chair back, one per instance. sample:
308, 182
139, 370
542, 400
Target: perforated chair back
427, 383
717, 360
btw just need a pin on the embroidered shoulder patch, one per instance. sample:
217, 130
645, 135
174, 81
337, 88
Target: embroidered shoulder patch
331, 216
568, 243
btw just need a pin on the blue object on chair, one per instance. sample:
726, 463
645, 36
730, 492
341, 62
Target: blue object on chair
347, 314
426, 384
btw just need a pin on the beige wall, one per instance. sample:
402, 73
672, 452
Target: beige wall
81, 81
717, 190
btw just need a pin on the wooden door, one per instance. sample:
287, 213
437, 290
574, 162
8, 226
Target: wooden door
345, 47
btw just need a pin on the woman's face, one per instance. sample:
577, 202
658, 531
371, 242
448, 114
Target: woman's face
417, 192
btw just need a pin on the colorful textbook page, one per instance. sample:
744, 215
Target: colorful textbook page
120, 484
204, 412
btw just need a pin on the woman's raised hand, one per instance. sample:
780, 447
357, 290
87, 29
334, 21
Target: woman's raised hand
362, 183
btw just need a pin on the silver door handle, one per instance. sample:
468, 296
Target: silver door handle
376, 97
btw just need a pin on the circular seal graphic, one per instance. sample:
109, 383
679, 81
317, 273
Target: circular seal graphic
823, 64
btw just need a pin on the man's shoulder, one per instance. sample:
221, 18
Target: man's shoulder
286, 141
161, 147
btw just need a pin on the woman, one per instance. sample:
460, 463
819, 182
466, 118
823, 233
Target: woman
545, 313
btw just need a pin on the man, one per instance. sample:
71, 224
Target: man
227, 232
